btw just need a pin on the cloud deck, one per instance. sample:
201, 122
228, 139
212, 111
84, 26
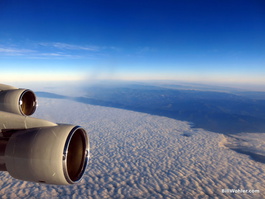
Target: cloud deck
137, 155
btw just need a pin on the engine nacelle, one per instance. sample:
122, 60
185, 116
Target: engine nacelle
52, 155
18, 101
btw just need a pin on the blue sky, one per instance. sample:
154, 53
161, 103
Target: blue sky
201, 41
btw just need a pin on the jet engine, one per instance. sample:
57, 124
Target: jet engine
37, 150
19, 101
53, 155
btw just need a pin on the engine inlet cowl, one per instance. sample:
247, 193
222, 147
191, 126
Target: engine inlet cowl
27, 102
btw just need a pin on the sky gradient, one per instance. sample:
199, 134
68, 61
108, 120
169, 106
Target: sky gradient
203, 41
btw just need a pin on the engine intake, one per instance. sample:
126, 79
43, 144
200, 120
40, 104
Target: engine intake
75, 155
27, 103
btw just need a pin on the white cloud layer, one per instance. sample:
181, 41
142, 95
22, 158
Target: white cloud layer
136, 155
49, 50
70, 46
15, 51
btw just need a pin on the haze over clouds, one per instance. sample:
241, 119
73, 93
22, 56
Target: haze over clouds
137, 155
